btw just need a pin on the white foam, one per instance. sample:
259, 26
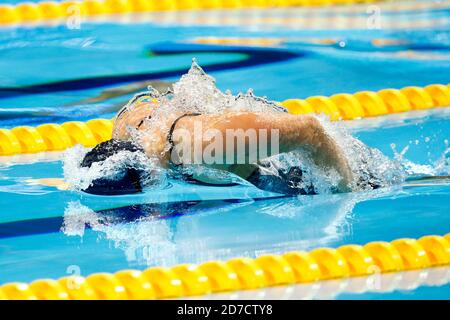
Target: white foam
196, 91
80, 178
369, 165
440, 167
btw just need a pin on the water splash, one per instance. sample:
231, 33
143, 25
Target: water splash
370, 167
440, 167
80, 178
197, 92
147, 240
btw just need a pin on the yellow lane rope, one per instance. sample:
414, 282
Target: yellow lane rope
53, 137
50, 10
243, 273
374, 283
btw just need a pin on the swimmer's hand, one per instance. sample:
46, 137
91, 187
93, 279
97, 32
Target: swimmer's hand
60, 184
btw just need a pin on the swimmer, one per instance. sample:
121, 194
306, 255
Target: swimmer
175, 142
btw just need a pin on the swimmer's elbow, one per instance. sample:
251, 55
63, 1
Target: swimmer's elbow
329, 153
314, 131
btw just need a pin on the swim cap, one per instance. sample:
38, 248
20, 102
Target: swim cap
128, 178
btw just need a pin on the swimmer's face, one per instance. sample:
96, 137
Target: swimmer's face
131, 117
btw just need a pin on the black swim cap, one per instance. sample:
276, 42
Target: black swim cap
128, 178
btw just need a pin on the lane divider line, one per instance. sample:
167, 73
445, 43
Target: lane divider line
243, 273
343, 106
51, 10
330, 289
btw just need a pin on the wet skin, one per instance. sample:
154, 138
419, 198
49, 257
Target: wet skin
295, 132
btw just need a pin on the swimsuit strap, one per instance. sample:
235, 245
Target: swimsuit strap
172, 128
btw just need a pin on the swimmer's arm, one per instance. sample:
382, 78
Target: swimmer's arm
300, 131
328, 153
294, 132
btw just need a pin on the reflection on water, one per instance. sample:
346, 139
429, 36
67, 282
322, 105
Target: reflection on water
196, 231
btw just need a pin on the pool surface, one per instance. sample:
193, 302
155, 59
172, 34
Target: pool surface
53, 74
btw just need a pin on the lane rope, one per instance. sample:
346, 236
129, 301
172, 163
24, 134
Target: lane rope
343, 106
243, 273
50, 10
374, 283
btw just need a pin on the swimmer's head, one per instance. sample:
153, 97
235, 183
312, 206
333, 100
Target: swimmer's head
128, 178
133, 115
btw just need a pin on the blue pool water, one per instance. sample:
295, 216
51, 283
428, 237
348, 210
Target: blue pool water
56, 74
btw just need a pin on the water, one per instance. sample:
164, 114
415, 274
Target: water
92, 72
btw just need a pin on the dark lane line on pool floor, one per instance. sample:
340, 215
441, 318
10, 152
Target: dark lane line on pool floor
126, 214
254, 57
